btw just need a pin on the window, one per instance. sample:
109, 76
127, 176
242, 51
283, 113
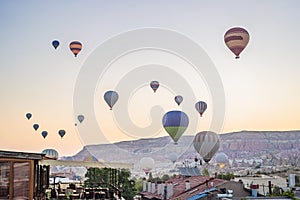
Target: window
21, 180
4, 180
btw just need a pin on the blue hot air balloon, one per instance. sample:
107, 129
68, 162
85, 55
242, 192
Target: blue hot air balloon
28, 116
55, 43
111, 97
44, 134
175, 123
36, 126
61, 133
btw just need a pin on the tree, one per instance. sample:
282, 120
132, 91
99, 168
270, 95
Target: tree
165, 178
205, 172
112, 178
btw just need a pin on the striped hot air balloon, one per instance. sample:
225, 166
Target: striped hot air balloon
206, 143
175, 123
75, 47
236, 39
50, 153
201, 107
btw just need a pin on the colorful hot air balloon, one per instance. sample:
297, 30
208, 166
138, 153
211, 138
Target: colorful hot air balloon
61, 133
36, 127
178, 99
201, 107
28, 116
80, 118
75, 47
221, 159
147, 164
175, 123
154, 85
206, 143
236, 39
55, 43
111, 97
44, 134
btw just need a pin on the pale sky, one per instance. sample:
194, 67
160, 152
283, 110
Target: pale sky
261, 88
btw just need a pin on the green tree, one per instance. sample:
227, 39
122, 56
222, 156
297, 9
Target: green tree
112, 178
205, 172
165, 178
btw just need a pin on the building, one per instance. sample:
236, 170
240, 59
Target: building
194, 187
21, 176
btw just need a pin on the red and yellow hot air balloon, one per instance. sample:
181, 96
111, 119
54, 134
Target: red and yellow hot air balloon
236, 39
75, 47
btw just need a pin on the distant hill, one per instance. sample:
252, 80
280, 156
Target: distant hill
274, 145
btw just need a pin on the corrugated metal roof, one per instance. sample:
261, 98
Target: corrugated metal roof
21, 155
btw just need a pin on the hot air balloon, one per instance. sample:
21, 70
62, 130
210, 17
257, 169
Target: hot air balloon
61, 133
154, 85
55, 43
147, 164
36, 126
50, 153
175, 123
111, 97
201, 107
206, 143
28, 116
80, 118
75, 47
178, 99
221, 159
236, 39
44, 134
173, 157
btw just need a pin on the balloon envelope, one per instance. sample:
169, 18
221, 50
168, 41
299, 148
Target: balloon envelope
178, 99
61, 133
75, 47
201, 107
55, 43
221, 159
236, 39
154, 85
206, 143
80, 118
44, 134
173, 157
111, 97
36, 126
147, 164
175, 123
28, 116
50, 153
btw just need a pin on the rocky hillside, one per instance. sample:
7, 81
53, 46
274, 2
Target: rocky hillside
237, 145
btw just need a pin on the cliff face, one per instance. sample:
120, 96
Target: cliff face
256, 141
244, 144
